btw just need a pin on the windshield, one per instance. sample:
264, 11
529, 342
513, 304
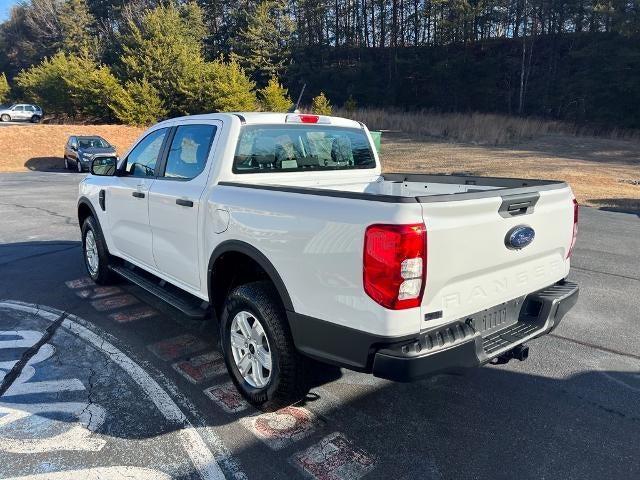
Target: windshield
284, 148
93, 142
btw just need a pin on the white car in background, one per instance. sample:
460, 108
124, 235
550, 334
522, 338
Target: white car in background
21, 112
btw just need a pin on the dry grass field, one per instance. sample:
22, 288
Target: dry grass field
604, 172
40, 147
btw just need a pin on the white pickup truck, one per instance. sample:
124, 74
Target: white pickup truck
284, 228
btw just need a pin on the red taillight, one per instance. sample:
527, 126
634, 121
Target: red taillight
305, 118
395, 264
575, 227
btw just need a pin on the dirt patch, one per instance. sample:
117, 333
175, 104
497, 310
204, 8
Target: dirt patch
40, 147
601, 172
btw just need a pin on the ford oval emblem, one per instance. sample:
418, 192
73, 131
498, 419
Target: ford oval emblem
519, 237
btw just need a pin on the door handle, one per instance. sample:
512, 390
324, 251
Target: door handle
138, 194
184, 203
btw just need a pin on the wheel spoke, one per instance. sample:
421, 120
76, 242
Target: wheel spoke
257, 332
256, 373
244, 364
237, 340
243, 324
263, 357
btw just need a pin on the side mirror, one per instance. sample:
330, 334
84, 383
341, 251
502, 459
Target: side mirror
104, 166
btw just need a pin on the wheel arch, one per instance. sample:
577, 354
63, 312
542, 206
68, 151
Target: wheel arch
235, 248
85, 209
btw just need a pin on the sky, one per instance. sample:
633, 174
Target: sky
5, 6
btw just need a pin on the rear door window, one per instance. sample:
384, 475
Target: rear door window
281, 148
189, 151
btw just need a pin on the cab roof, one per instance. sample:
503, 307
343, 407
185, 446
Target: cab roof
257, 118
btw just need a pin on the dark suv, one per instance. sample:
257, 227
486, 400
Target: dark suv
80, 151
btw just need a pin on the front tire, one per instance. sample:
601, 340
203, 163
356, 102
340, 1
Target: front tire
95, 253
66, 164
79, 166
258, 348
35, 119
5, 118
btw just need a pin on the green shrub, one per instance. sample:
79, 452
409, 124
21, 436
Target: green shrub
138, 103
70, 85
350, 105
228, 89
320, 105
4, 88
274, 97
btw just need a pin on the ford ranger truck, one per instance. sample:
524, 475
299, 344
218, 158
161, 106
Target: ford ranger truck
285, 230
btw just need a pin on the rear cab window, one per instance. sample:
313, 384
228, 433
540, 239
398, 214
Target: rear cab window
291, 148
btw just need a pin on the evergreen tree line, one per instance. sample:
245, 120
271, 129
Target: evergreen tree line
139, 60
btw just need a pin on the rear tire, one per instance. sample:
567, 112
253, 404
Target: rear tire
66, 164
288, 379
5, 118
95, 253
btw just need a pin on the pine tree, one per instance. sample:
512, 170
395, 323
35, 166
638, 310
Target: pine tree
4, 88
228, 89
320, 105
138, 103
165, 50
70, 85
78, 28
274, 97
264, 46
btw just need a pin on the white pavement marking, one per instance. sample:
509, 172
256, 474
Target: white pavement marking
78, 437
200, 455
100, 473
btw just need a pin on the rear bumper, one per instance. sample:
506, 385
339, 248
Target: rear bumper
460, 344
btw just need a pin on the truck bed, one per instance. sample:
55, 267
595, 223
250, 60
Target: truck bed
409, 187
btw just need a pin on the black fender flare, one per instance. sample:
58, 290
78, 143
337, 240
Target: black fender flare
86, 202
257, 256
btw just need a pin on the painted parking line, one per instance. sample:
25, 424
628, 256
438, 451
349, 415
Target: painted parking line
334, 458
133, 314
99, 473
227, 397
111, 303
180, 346
281, 428
98, 292
199, 454
201, 367
83, 282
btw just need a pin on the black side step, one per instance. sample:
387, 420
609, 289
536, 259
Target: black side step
183, 301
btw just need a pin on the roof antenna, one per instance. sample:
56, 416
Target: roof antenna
294, 109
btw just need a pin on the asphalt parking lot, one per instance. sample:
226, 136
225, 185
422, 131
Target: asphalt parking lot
114, 383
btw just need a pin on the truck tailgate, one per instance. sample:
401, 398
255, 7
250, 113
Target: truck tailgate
470, 264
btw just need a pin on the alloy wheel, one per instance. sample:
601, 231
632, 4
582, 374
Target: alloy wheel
251, 350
